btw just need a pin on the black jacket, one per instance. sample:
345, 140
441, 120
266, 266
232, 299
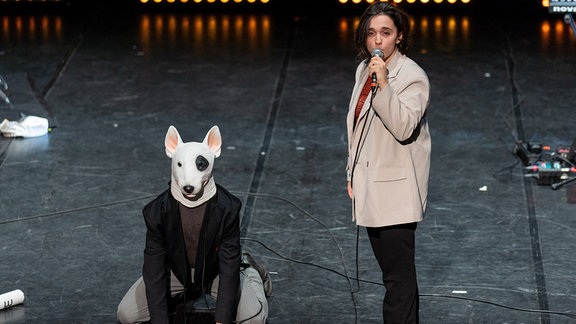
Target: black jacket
218, 254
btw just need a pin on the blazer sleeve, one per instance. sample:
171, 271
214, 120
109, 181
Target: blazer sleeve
229, 264
402, 104
154, 271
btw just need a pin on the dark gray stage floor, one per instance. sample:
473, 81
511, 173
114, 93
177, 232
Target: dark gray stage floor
495, 247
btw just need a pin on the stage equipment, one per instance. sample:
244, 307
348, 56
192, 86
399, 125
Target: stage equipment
11, 298
549, 166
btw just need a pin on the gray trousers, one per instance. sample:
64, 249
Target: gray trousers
252, 307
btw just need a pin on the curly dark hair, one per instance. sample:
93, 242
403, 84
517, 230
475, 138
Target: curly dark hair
398, 16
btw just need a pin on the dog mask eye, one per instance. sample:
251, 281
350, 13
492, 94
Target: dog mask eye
201, 163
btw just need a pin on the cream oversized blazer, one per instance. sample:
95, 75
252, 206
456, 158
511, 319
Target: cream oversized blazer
389, 149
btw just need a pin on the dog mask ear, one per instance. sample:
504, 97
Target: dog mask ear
214, 140
172, 141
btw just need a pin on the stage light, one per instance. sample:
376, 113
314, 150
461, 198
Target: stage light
342, 2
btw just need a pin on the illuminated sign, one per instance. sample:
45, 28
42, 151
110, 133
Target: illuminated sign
562, 6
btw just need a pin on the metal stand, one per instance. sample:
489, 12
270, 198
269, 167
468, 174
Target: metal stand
3, 88
557, 185
569, 19
6, 108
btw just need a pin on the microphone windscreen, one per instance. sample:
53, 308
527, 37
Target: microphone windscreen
377, 52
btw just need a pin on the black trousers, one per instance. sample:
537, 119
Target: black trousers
394, 248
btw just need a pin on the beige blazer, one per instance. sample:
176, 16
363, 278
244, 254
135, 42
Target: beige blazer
389, 148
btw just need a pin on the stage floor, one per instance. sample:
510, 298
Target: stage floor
495, 246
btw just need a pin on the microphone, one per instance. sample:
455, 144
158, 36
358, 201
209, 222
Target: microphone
11, 298
376, 52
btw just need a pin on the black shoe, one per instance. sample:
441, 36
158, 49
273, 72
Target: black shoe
247, 259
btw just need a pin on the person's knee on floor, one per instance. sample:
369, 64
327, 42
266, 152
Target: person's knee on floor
253, 304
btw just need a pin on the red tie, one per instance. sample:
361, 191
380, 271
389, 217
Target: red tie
362, 99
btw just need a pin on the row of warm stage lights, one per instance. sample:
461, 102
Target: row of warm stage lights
340, 1
408, 1
31, 1
198, 1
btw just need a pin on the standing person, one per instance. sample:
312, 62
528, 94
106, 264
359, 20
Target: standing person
389, 152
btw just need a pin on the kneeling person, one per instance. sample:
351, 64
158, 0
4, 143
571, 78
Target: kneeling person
193, 249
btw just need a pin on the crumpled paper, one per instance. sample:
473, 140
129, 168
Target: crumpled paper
29, 126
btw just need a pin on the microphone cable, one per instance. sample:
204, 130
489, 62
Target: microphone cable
303, 211
358, 280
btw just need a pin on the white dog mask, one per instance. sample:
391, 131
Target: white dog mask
192, 162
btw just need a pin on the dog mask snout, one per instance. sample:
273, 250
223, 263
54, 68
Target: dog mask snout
188, 189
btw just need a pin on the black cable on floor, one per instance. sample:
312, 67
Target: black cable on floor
567, 314
346, 275
546, 312
543, 312
68, 211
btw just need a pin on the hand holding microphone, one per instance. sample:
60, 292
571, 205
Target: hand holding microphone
374, 66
